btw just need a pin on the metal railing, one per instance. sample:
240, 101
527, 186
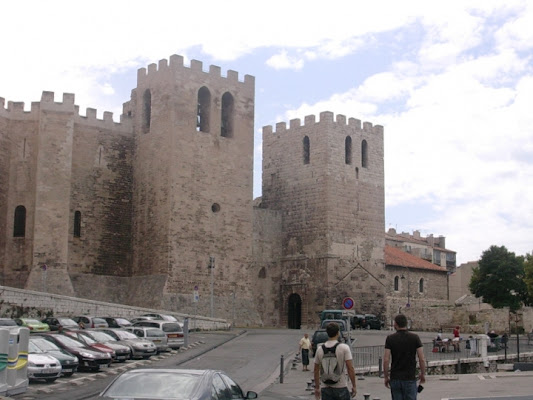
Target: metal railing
368, 357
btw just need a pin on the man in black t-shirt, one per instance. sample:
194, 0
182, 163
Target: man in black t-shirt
404, 347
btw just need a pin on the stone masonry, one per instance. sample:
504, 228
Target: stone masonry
132, 212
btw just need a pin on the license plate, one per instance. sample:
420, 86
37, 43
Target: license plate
173, 336
67, 370
121, 357
47, 371
104, 366
157, 341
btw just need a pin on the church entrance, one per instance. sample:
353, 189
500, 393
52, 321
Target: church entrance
295, 311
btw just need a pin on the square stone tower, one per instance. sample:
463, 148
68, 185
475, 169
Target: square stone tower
192, 174
330, 190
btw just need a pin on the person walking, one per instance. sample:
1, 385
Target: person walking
304, 346
403, 347
332, 359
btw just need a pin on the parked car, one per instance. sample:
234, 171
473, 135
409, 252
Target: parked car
174, 384
43, 366
122, 351
34, 325
342, 325
91, 343
7, 322
319, 336
155, 335
371, 322
86, 321
140, 348
60, 322
141, 318
173, 330
164, 317
357, 321
69, 362
88, 358
115, 322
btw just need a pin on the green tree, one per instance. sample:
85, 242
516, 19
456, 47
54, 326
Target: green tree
528, 275
499, 279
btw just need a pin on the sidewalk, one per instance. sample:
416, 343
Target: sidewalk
438, 387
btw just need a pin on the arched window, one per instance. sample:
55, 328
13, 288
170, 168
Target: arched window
226, 121
19, 226
77, 224
348, 150
307, 150
364, 154
396, 283
204, 105
147, 111
421, 285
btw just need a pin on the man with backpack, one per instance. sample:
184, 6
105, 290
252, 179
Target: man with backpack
403, 347
331, 361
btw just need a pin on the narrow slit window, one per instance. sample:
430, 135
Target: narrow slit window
421, 285
396, 283
204, 105
19, 227
147, 110
307, 150
226, 122
364, 154
77, 224
348, 150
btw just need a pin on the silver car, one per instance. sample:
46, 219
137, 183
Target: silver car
43, 366
155, 335
140, 348
173, 330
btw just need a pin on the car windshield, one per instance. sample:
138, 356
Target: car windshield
154, 385
87, 339
321, 337
125, 335
32, 348
101, 336
31, 321
68, 341
99, 321
67, 322
44, 344
171, 327
7, 322
122, 321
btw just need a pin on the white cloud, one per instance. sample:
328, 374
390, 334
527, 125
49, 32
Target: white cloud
283, 61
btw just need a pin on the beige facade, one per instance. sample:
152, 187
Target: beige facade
133, 212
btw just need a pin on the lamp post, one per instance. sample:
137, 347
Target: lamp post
408, 288
212, 268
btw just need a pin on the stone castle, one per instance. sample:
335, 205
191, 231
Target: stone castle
158, 211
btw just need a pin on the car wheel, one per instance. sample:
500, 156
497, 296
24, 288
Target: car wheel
50, 380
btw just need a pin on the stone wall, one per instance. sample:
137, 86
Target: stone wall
17, 302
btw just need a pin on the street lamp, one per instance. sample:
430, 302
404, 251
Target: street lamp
408, 288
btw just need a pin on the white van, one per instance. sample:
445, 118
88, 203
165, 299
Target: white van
172, 329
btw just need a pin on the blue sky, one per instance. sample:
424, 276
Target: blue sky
451, 82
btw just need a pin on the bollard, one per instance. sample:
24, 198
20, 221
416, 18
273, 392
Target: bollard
366, 396
458, 367
310, 386
380, 365
294, 365
281, 370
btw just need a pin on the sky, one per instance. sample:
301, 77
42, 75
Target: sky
450, 81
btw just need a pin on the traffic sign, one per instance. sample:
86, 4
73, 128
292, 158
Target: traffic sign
348, 313
348, 303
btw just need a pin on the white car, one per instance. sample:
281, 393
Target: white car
43, 366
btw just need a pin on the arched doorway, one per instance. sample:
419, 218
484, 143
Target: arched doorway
295, 311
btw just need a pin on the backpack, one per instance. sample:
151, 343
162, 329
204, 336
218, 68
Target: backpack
330, 370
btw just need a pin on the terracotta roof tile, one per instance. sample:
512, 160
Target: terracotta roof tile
399, 258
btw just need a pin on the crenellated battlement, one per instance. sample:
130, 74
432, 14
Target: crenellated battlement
326, 118
15, 110
175, 65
